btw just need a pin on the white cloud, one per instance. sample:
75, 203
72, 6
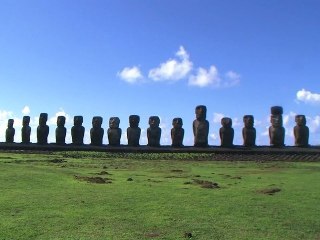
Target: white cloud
131, 74
231, 79
26, 110
217, 117
307, 96
204, 77
173, 69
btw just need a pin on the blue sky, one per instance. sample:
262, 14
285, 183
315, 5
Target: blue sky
116, 58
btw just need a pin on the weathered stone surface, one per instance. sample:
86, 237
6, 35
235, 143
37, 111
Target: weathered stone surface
226, 132
96, 132
154, 132
201, 127
114, 132
77, 131
249, 132
26, 129
134, 132
10, 131
43, 129
301, 132
276, 130
177, 132
61, 131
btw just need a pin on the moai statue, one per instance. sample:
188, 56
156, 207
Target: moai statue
201, 127
177, 132
248, 132
133, 132
226, 132
10, 131
96, 132
301, 132
43, 129
276, 130
154, 132
61, 131
114, 132
77, 131
26, 129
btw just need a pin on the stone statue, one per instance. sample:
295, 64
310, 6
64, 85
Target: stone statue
114, 132
43, 129
276, 130
26, 129
96, 132
249, 132
61, 131
77, 131
154, 132
177, 132
201, 127
301, 132
10, 131
133, 132
226, 132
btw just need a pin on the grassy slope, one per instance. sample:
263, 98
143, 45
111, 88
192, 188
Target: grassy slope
41, 199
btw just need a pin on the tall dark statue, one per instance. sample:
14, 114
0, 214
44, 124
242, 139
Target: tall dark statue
133, 132
301, 132
61, 131
77, 131
248, 132
10, 131
276, 130
26, 129
154, 132
114, 132
177, 132
226, 132
96, 132
43, 129
201, 127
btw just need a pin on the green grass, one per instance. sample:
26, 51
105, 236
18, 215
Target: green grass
42, 199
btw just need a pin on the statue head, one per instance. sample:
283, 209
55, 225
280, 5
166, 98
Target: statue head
61, 121
97, 122
301, 120
154, 121
114, 122
177, 123
226, 122
77, 120
26, 121
201, 112
10, 123
134, 121
276, 110
276, 121
43, 118
248, 121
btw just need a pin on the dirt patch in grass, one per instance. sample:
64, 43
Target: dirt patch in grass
57, 160
177, 171
104, 173
152, 235
206, 184
269, 191
98, 180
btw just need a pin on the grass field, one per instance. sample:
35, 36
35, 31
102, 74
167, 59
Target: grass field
156, 196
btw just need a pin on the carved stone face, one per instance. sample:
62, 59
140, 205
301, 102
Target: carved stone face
26, 121
177, 123
96, 122
43, 119
226, 122
77, 120
301, 120
61, 120
134, 121
10, 123
201, 112
248, 121
276, 121
154, 121
114, 122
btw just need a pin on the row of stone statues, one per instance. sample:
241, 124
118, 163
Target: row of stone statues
200, 130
